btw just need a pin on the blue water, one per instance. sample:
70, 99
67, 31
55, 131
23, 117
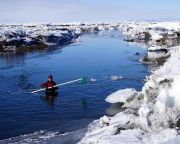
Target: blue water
96, 56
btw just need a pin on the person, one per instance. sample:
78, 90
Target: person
49, 85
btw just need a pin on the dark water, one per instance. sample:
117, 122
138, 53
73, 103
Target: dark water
94, 56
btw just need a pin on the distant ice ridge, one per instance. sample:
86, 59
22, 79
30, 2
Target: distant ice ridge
13, 37
28, 36
164, 33
151, 116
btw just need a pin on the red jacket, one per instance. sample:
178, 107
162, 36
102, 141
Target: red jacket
49, 84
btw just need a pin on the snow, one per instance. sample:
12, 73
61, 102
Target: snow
121, 96
176, 140
34, 35
154, 34
104, 121
150, 116
18, 36
46, 137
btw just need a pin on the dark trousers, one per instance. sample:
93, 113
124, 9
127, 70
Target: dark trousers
51, 92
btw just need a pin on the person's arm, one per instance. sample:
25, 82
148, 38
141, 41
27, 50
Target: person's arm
56, 88
44, 84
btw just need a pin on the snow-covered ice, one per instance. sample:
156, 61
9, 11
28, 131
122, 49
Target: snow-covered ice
121, 96
151, 115
116, 77
13, 37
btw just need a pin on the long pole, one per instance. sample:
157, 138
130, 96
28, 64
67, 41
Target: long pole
65, 83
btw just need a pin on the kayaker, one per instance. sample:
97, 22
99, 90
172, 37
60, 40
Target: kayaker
50, 90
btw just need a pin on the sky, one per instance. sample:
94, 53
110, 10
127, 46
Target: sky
27, 11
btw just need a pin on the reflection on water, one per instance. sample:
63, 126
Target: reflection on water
84, 103
23, 82
12, 58
50, 99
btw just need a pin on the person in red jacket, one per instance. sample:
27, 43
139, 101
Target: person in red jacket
49, 85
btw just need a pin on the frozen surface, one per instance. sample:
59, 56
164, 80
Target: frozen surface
164, 34
121, 96
41, 137
152, 115
13, 37
28, 35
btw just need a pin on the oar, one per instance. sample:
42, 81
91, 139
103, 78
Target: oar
65, 83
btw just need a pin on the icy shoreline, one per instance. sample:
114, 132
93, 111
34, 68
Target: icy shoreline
151, 115
19, 36
35, 36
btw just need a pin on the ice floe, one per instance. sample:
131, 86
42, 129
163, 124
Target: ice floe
121, 96
116, 77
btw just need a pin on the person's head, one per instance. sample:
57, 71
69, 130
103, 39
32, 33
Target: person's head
50, 78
